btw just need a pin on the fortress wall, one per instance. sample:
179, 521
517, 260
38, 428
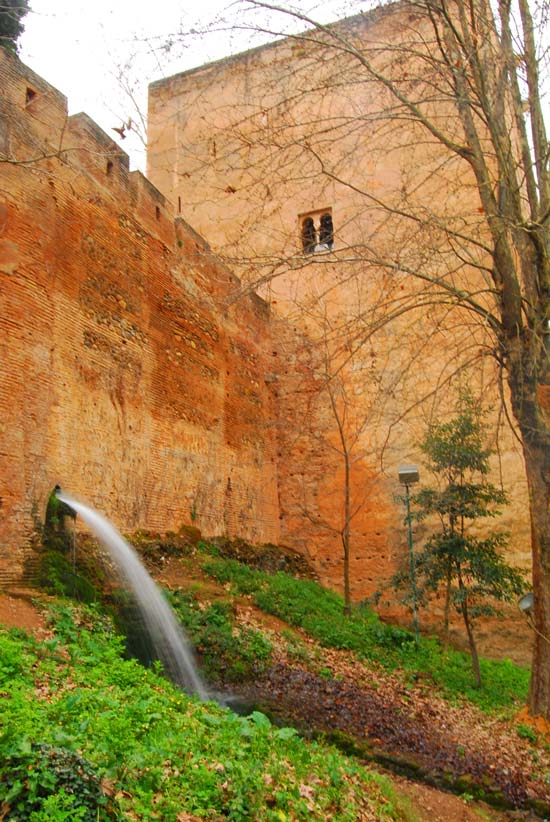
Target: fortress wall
126, 374
239, 145
131, 375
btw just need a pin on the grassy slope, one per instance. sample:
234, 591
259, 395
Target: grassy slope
319, 612
159, 755
153, 751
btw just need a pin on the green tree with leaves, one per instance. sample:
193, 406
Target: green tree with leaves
11, 27
470, 568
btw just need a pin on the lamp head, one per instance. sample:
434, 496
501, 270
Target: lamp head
408, 474
526, 603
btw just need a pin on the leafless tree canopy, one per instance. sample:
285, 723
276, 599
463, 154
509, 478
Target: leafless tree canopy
424, 121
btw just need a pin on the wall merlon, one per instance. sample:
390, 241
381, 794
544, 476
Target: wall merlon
22, 77
97, 154
152, 208
148, 190
34, 112
106, 146
193, 244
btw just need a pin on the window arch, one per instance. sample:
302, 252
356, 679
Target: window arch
317, 231
309, 236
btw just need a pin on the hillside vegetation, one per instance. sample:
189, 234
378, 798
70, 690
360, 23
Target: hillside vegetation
90, 734
319, 612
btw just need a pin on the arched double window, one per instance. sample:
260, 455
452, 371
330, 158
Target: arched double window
317, 232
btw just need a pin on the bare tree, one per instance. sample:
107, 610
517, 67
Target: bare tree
335, 402
445, 98
338, 427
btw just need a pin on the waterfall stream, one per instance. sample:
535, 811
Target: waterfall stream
166, 635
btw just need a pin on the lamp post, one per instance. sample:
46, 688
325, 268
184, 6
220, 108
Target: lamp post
408, 475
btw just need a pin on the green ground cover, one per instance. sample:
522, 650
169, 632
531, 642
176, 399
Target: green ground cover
319, 612
87, 734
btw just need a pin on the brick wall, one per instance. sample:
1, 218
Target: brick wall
126, 374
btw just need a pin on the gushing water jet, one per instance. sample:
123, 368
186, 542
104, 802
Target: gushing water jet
166, 635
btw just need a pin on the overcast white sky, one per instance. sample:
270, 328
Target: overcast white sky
82, 48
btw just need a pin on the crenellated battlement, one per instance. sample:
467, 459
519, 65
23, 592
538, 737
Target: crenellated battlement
35, 127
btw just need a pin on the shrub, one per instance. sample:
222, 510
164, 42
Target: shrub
31, 779
229, 653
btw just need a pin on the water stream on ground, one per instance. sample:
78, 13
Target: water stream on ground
167, 636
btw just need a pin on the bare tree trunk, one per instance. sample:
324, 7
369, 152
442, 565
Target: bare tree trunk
470, 632
447, 607
346, 536
529, 380
538, 475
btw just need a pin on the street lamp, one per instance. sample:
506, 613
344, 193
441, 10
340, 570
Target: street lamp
526, 604
408, 475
